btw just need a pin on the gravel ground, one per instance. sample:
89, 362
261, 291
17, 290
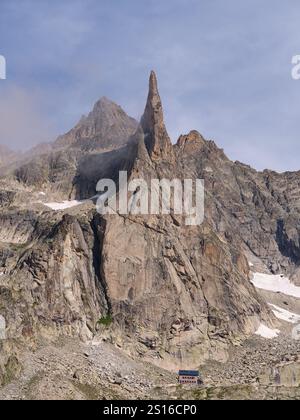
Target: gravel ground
249, 362
71, 370
75, 371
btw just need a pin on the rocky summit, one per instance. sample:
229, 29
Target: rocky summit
88, 299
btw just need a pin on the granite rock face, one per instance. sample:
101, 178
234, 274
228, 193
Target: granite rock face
157, 288
185, 290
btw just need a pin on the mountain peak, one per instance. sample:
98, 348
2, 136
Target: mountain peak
105, 102
153, 85
157, 140
107, 126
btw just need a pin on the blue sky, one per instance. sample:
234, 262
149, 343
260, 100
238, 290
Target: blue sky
224, 68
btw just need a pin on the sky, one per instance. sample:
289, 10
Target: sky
224, 69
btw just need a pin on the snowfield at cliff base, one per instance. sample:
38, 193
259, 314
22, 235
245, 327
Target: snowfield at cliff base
267, 332
275, 283
285, 315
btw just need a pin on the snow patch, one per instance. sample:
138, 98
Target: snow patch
63, 205
275, 283
2, 328
267, 332
285, 315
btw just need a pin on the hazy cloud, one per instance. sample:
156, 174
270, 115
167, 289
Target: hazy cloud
22, 124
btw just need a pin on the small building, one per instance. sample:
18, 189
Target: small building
189, 377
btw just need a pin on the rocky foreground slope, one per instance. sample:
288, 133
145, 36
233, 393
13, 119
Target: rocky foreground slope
161, 291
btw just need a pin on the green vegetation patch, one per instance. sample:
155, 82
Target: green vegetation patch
106, 320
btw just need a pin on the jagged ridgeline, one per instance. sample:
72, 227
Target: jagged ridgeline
159, 289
